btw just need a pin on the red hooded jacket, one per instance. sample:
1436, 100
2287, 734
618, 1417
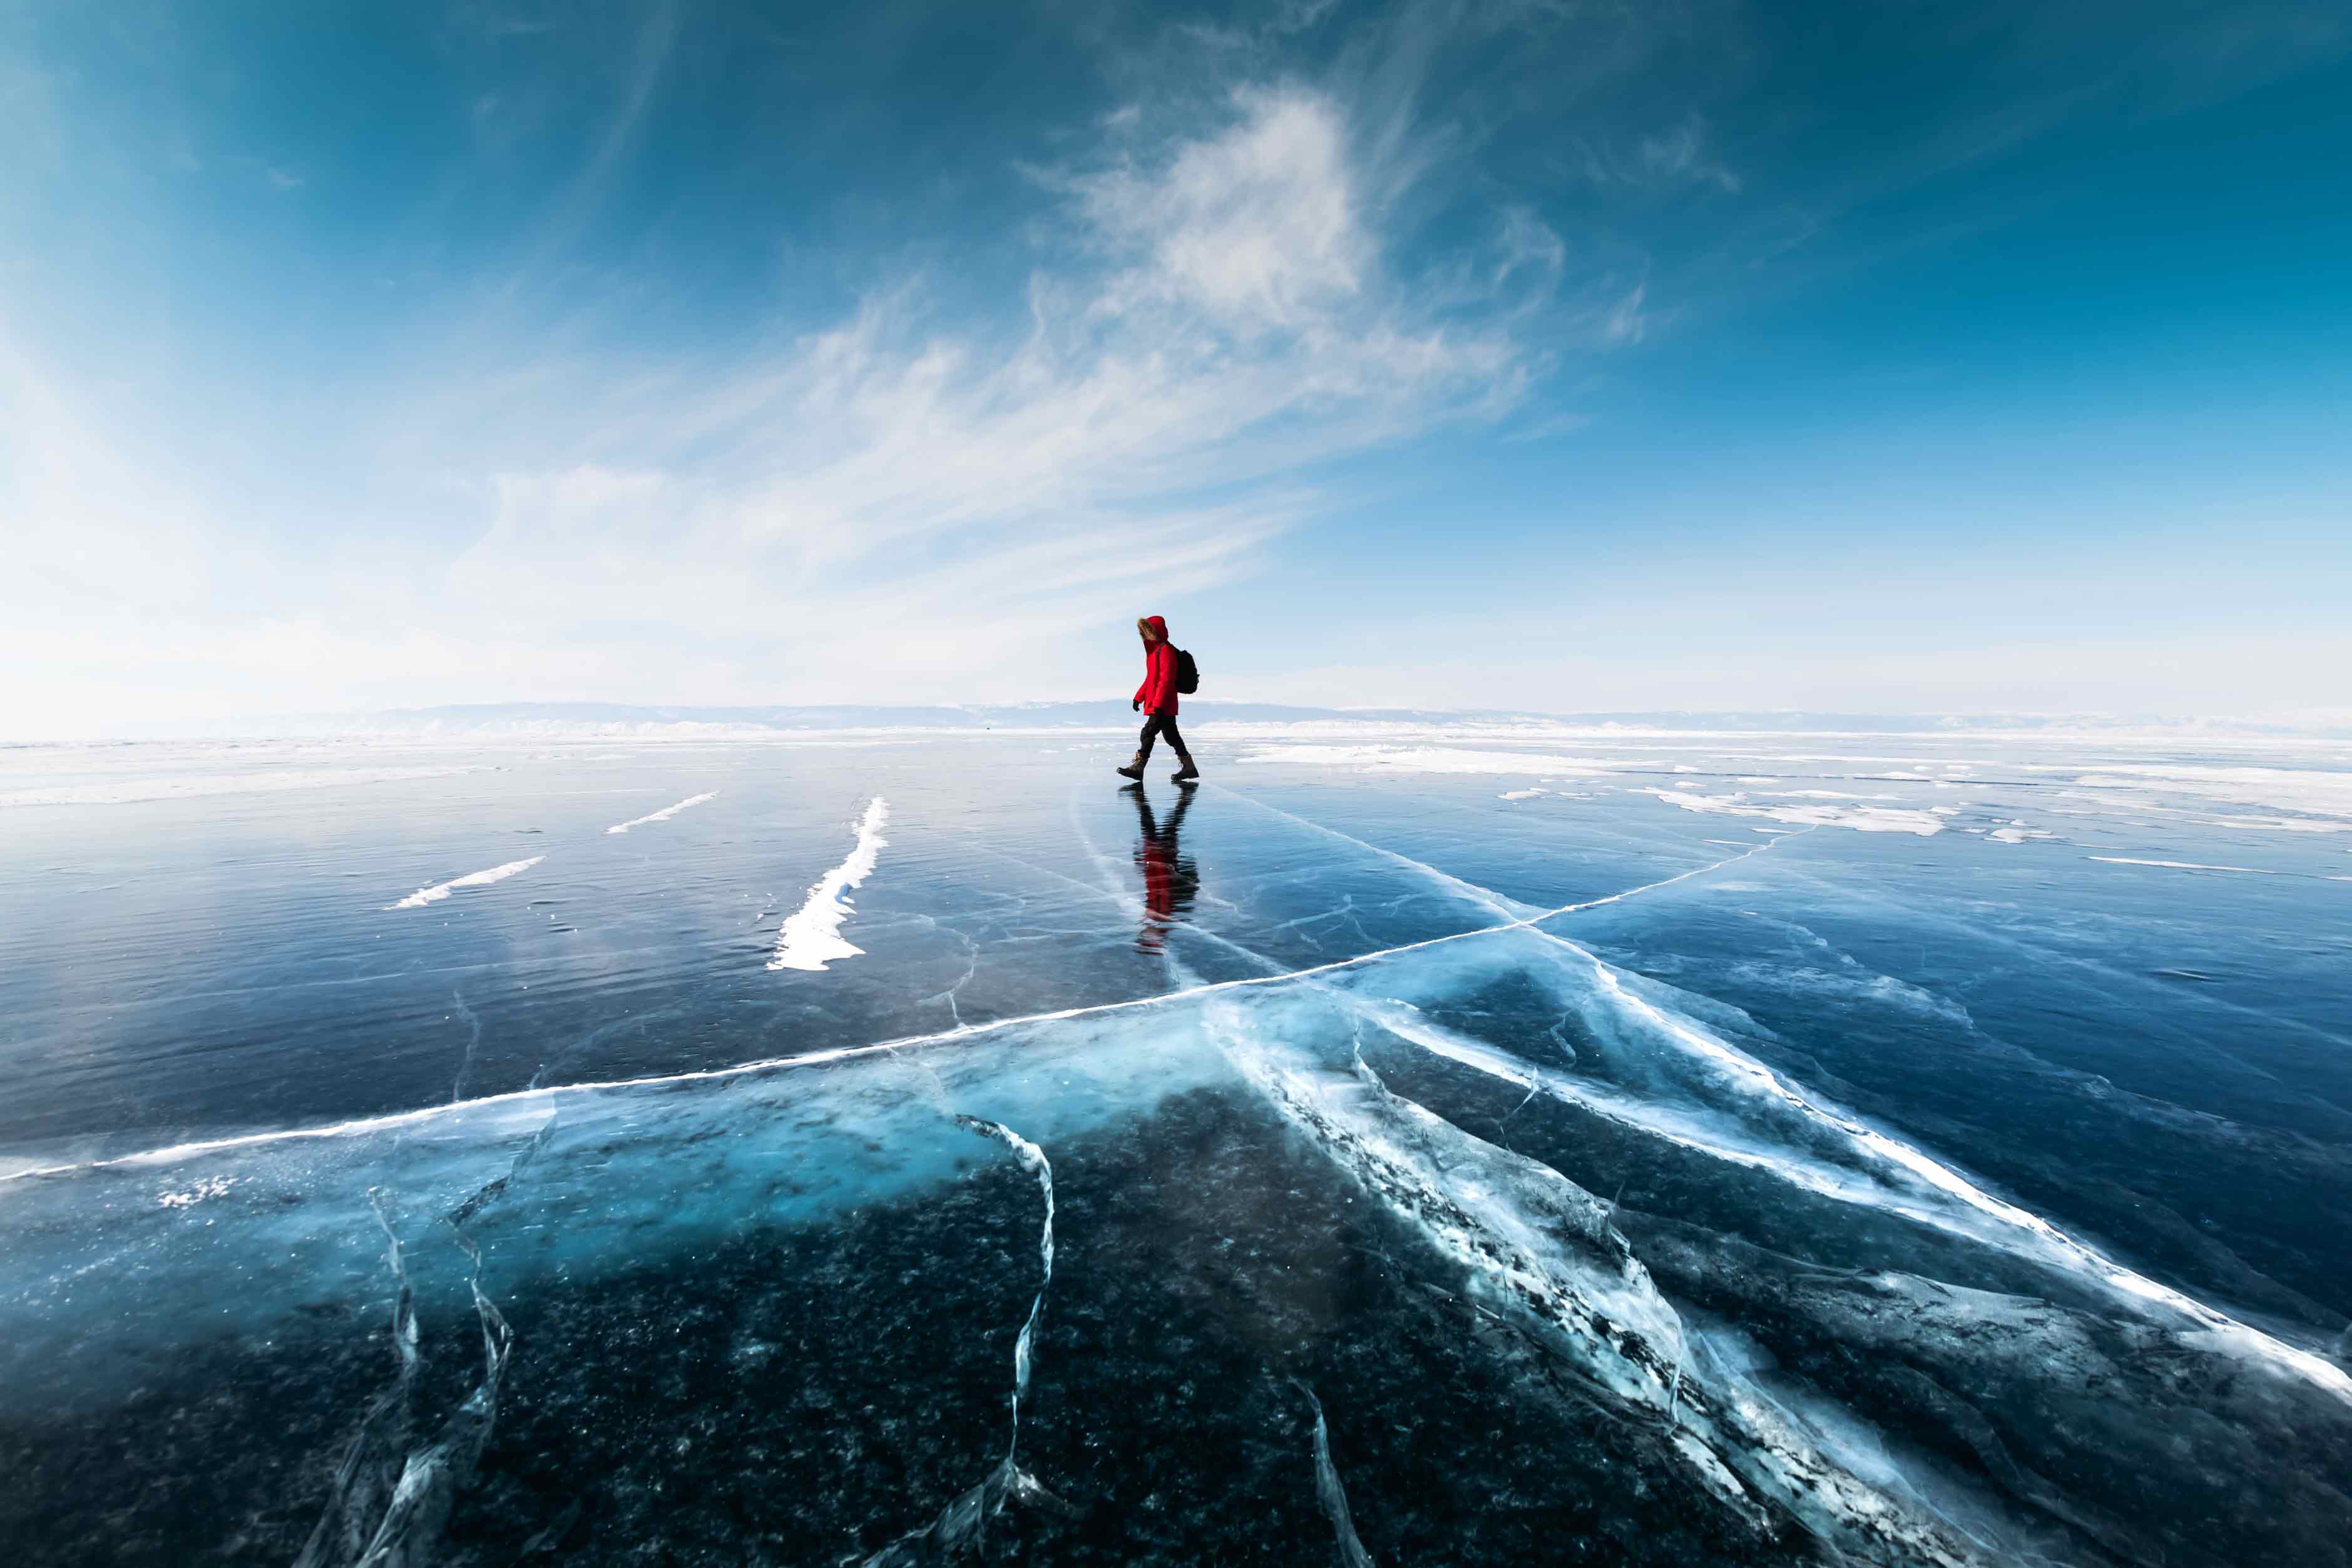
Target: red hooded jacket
1157, 692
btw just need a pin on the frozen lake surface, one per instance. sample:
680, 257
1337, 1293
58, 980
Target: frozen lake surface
1700, 1149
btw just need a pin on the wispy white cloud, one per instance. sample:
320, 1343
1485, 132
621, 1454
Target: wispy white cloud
1680, 154
1234, 325
1625, 323
1528, 245
1674, 156
531, 467
847, 511
1257, 228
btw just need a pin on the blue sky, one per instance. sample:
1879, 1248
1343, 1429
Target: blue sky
1878, 356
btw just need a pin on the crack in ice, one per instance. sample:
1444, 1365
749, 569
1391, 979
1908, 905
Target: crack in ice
1331, 1494
408, 1519
1943, 1178
364, 1481
473, 1042
964, 1520
1539, 1247
363, 1124
970, 969
2314, 1367
1509, 908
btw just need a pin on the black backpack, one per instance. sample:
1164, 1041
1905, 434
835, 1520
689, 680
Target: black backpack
1188, 674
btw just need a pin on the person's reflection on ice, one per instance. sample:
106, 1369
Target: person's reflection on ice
1170, 879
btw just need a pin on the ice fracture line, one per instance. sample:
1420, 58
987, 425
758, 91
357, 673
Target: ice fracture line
363, 1124
1331, 1494
1926, 1167
965, 1519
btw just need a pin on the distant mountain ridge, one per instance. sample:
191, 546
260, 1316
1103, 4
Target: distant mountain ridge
526, 717
854, 715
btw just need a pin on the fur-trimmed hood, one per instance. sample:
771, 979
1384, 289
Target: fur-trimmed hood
1158, 691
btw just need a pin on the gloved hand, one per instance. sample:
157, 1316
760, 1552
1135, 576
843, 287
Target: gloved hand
1135, 704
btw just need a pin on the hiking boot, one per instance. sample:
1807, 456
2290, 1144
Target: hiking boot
1134, 769
1186, 774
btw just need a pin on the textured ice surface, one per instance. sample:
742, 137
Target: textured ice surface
1369, 1157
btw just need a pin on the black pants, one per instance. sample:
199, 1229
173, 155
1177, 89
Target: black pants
1157, 725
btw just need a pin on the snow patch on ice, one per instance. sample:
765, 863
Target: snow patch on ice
811, 937
1430, 760
665, 814
2180, 865
1862, 818
439, 890
211, 1186
1823, 795
2317, 792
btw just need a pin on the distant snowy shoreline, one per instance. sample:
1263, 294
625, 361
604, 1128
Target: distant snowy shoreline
589, 722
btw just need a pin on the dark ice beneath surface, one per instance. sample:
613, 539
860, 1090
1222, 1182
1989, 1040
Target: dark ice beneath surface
1334, 1171
811, 1393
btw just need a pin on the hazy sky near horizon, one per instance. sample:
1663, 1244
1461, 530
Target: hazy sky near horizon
1871, 357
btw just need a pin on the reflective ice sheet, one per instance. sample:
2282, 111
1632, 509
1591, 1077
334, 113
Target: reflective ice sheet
1582, 1150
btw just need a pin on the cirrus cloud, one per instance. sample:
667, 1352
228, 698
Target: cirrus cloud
1218, 307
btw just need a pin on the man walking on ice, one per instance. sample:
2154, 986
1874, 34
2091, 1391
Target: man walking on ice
1155, 698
